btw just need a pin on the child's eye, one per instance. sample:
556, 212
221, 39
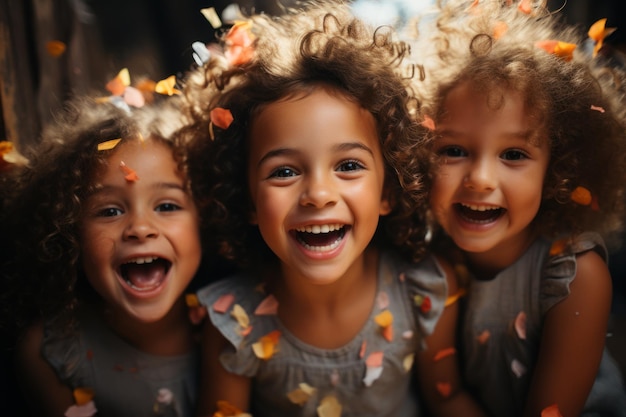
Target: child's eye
452, 152
514, 155
283, 172
167, 207
350, 165
109, 212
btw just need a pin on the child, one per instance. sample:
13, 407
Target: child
316, 183
107, 242
531, 145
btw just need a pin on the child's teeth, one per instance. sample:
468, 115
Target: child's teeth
317, 228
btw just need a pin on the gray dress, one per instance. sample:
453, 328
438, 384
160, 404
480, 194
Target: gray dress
350, 374
498, 360
126, 382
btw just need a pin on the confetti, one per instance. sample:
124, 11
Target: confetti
483, 337
520, 325
83, 395
444, 389
423, 302
581, 195
407, 362
444, 353
525, 6
375, 359
269, 306
560, 49
428, 123
499, 29
134, 97
166, 86
329, 407
362, 350
192, 300
210, 14
222, 304
221, 118
302, 394
382, 300
86, 410
55, 48
129, 174
372, 373
118, 84
519, 370
551, 411
454, 297
407, 334
597, 32
240, 315
108, 145
558, 247
267, 345
597, 108
239, 41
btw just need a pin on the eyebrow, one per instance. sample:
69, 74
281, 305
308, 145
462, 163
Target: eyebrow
100, 189
525, 135
344, 146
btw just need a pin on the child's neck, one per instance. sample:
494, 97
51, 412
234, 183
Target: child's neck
170, 336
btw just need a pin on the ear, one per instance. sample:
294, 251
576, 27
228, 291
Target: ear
385, 206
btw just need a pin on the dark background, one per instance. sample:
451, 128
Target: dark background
152, 38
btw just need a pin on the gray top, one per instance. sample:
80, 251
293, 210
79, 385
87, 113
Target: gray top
498, 359
126, 381
341, 373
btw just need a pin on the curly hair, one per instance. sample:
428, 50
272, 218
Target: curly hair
577, 105
321, 46
43, 202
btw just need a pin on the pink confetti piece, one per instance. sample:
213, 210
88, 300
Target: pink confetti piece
223, 303
267, 307
597, 108
375, 359
518, 368
382, 300
520, 325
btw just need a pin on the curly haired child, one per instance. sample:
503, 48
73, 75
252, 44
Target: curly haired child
107, 239
529, 133
315, 189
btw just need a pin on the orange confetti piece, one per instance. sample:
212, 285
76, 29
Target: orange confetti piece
451, 299
192, 300
499, 29
166, 86
118, 84
520, 325
55, 48
362, 350
483, 337
444, 389
581, 196
428, 123
388, 333
525, 6
597, 32
129, 174
560, 49
329, 407
269, 306
239, 41
108, 145
558, 246
222, 304
83, 395
267, 345
221, 118
444, 353
597, 108
551, 411
375, 359
226, 409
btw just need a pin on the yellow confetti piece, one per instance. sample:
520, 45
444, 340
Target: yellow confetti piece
454, 297
267, 345
108, 145
597, 32
581, 195
83, 395
118, 84
192, 300
166, 86
329, 407
407, 362
240, 315
384, 318
301, 394
210, 14
55, 48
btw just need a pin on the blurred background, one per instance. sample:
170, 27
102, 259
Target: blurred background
152, 38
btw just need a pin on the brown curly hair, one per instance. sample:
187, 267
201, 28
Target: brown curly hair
322, 45
43, 203
577, 104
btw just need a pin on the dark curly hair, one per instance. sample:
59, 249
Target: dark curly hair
577, 104
322, 46
43, 203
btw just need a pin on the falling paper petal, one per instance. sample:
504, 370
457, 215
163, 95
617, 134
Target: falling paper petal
201, 53
581, 195
129, 174
598, 31
454, 297
444, 353
239, 314
597, 108
118, 84
382, 300
525, 6
221, 118
518, 368
134, 97
165, 396
108, 145
269, 306
387, 333
483, 337
301, 394
83, 395
551, 411
428, 123
86, 410
375, 359
384, 318
499, 29
444, 389
560, 49
372, 374
267, 345
407, 362
558, 246
210, 14
239, 41
520, 325
166, 86
362, 350
226, 409
407, 334
329, 407
222, 304
55, 48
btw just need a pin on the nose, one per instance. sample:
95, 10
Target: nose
319, 191
140, 227
481, 176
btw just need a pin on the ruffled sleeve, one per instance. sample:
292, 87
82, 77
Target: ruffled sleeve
65, 355
427, 291
560, 268
234, 307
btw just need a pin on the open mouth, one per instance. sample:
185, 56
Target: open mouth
479, 214
321, 238
145, 273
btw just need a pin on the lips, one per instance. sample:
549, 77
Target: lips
320, 238
479, 214
144, 274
